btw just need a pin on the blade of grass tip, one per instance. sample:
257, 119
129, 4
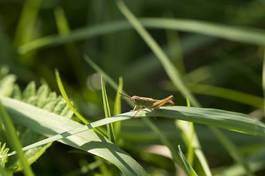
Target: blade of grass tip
173, 74
117, 109
187, 165
70, 105
13, 139
147, 121
67, 100
165, 61
107, 112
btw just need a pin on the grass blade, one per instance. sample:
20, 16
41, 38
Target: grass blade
11, 135
110, 129
70, 104
50, 124
227, 94
237, 122
188, 168
117, 109
67, 100
251, 36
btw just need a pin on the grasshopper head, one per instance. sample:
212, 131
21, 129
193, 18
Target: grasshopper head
134, 98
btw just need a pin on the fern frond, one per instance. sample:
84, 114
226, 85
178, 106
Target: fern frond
3, 154
41, 97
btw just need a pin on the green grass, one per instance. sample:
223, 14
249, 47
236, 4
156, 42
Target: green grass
204, 53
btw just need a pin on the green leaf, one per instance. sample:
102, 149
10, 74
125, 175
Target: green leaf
188, 168
233, 121
3, 154
13, 139
239, 34
67, 100
110, 128
49, 124
117, 108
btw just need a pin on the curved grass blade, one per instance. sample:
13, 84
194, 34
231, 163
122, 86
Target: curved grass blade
110, 128
50, 124
12, 136
228, 120
67, 100
233, 121
188, 168
251, 36
70, 104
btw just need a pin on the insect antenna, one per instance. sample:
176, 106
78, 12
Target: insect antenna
124, 94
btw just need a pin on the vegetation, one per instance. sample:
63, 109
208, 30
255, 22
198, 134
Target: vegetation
65, 65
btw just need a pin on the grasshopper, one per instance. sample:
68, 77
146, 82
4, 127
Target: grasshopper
149, 103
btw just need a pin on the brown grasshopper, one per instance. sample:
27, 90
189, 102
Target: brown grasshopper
149, 103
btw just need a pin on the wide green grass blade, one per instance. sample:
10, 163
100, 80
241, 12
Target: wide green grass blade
214, 117
110, 129
13, 139
228, 120
251, 36
49, 124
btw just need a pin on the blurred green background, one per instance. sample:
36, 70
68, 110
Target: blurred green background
37, 37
